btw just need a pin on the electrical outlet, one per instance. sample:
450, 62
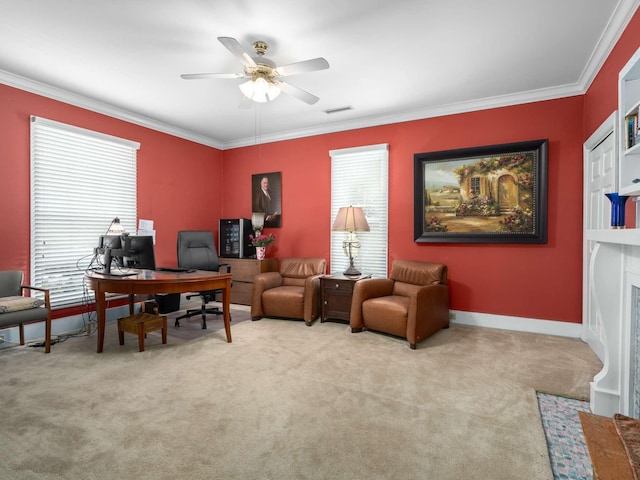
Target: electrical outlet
452, 315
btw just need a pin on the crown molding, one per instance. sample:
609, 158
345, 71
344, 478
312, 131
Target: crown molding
418, 114
93, 105
616, 25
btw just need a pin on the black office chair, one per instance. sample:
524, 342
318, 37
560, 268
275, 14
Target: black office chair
197, 250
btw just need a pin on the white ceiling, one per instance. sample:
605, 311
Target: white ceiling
390, 60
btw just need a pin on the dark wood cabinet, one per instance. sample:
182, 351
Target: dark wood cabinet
336, 291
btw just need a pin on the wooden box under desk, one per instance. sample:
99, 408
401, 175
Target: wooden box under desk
242, 272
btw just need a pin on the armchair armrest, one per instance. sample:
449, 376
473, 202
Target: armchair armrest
261, 282
47, 296
428, 312
364, 290
47, 328
312, 300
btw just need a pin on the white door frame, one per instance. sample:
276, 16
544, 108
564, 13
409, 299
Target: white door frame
593, 336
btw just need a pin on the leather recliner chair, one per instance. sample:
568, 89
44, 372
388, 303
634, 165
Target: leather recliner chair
412, 303
293, 292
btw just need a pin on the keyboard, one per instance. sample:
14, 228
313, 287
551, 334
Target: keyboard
174, 269
117, 274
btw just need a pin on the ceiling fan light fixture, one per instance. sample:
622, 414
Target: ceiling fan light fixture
260, 90
273, 91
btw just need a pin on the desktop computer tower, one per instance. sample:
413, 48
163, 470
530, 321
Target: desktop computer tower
233, 238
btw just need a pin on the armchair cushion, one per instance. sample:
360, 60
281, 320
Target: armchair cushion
17, 303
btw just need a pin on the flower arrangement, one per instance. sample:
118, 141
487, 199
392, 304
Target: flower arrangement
262, 240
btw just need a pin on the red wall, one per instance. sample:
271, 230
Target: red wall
183, 185
535, 281
177, 179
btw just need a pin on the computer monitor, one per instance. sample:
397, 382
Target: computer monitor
139, 252
111, 247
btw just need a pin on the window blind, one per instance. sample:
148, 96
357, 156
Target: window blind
80, 181
360, 177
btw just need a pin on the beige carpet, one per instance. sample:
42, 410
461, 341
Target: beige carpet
286, 401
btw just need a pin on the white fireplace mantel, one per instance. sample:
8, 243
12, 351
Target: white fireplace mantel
614, 274
622, 236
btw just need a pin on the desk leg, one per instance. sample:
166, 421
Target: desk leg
101, 313
131, 301
226, 306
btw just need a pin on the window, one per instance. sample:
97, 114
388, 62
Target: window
80, 181
359, 177
475, 186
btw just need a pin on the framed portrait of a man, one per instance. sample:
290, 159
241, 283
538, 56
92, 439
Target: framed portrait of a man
266, 191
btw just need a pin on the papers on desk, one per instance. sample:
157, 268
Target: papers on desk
145, 228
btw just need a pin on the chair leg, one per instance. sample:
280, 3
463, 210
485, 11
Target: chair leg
204, 316
141, 336
120, 332
47, 335
164, 331
21, 327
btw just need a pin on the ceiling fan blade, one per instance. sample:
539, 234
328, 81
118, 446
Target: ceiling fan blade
234, 47
297, 92
197, 76
303, 67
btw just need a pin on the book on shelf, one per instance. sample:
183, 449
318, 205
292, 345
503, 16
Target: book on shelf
633, 134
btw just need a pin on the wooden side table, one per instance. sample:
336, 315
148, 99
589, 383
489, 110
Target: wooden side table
336, 292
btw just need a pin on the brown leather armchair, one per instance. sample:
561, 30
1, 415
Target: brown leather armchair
412, 303
293, 292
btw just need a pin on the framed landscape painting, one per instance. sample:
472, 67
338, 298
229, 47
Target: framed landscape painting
490, 194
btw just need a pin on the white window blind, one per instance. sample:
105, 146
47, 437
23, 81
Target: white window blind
80, 181
360, 177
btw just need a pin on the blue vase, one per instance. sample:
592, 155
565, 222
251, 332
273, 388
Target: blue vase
617, 209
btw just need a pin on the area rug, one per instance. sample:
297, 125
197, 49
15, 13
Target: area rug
568, 450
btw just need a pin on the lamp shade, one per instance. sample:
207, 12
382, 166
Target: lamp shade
116, 227
350, 219
257, 220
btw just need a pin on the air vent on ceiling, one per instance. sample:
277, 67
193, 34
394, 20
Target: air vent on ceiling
339, 109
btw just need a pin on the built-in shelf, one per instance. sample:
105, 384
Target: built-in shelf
629, 138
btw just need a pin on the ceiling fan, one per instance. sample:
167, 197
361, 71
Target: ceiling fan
264, 77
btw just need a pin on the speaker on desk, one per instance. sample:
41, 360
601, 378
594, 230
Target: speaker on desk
233, 238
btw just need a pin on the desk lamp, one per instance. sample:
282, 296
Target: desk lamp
351, 219
116, 228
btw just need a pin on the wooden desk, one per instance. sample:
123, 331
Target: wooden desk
150, 282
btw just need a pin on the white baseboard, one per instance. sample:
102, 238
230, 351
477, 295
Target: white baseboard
519, 324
